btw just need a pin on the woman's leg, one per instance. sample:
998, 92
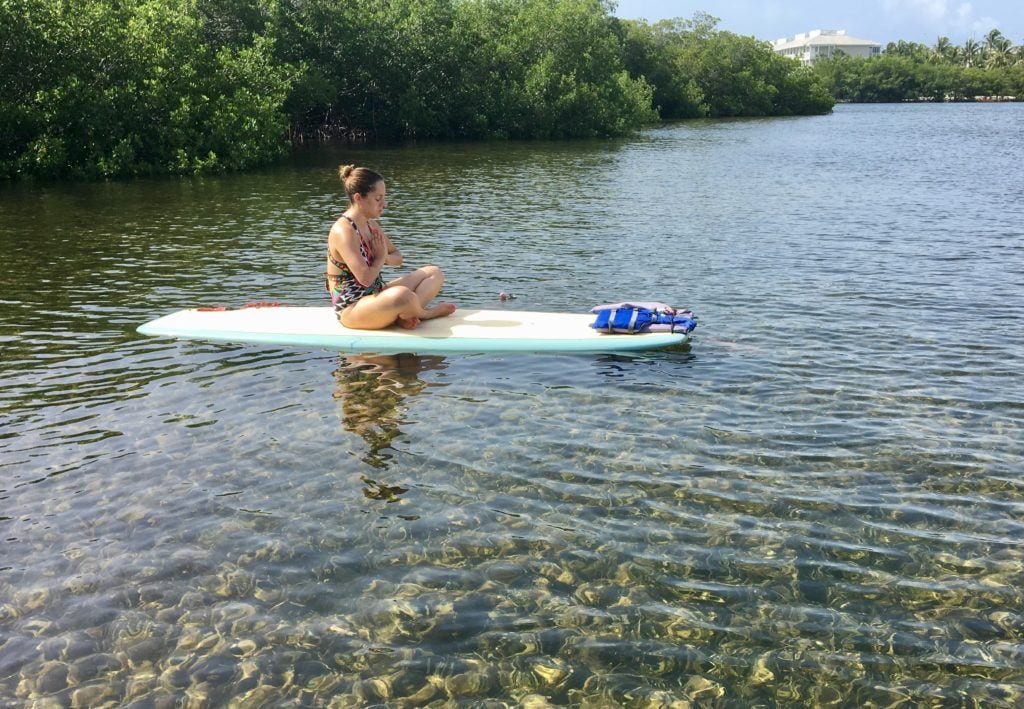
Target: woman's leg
425, 282
394, 303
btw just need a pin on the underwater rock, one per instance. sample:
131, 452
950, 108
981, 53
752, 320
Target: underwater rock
472, 683
261, 696
215, 670
145, 651
17, 652
139, 685
42, 678
699, 688
93, 667
371, 690
94, 695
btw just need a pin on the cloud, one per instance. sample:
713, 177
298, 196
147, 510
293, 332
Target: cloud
966, 23
939, 16
931, 10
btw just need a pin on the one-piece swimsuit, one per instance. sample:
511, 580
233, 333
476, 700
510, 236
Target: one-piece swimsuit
344, 288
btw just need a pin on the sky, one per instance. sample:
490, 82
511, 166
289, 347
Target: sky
882, 21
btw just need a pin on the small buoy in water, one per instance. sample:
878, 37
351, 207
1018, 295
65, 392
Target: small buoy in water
503, 296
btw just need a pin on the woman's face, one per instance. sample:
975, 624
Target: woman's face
373, 202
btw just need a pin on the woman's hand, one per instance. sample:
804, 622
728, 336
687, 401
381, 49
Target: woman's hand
379, 246
394, 255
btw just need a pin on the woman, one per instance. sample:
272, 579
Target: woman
357, 251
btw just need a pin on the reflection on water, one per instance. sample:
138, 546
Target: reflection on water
372, 391
818, 503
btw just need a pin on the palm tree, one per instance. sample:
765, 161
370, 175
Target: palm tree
993, 38
942, 49
1000, 54
904, 48
970, 51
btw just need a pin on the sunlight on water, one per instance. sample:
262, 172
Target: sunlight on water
818, 502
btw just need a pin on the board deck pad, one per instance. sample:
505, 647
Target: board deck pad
467, 330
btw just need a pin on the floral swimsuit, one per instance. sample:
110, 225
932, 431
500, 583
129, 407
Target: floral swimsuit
343, 287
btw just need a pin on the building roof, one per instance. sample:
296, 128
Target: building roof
836, 38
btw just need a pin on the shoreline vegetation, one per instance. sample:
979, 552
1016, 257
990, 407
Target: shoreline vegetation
113, 88
118, 88
990, 71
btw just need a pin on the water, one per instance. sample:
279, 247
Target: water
817, 502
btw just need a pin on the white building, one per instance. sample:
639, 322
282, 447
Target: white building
808, 47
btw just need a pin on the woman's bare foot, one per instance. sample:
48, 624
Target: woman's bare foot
439, 311
408, 323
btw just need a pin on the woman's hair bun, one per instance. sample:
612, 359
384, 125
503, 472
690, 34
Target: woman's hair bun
358, 180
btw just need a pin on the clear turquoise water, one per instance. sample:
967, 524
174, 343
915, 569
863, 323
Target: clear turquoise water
818, 502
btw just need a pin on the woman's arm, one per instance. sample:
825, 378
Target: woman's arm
394, 257
344, 242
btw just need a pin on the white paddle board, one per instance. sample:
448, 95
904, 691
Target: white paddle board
464, 331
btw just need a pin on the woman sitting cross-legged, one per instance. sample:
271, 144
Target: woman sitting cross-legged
357, 251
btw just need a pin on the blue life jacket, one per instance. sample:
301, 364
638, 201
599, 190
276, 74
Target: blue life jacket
631, 319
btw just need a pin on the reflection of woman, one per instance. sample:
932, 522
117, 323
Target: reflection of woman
371, 389
357, 250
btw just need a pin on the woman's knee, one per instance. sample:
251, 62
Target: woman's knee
400, 296
435, 272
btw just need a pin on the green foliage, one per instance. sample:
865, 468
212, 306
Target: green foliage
106, 88
658, 53
98, 88
475, 68
574, 83
909, 71
697, 70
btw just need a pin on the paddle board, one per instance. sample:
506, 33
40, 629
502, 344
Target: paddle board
466, 330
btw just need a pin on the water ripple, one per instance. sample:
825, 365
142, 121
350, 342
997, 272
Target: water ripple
817, 502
